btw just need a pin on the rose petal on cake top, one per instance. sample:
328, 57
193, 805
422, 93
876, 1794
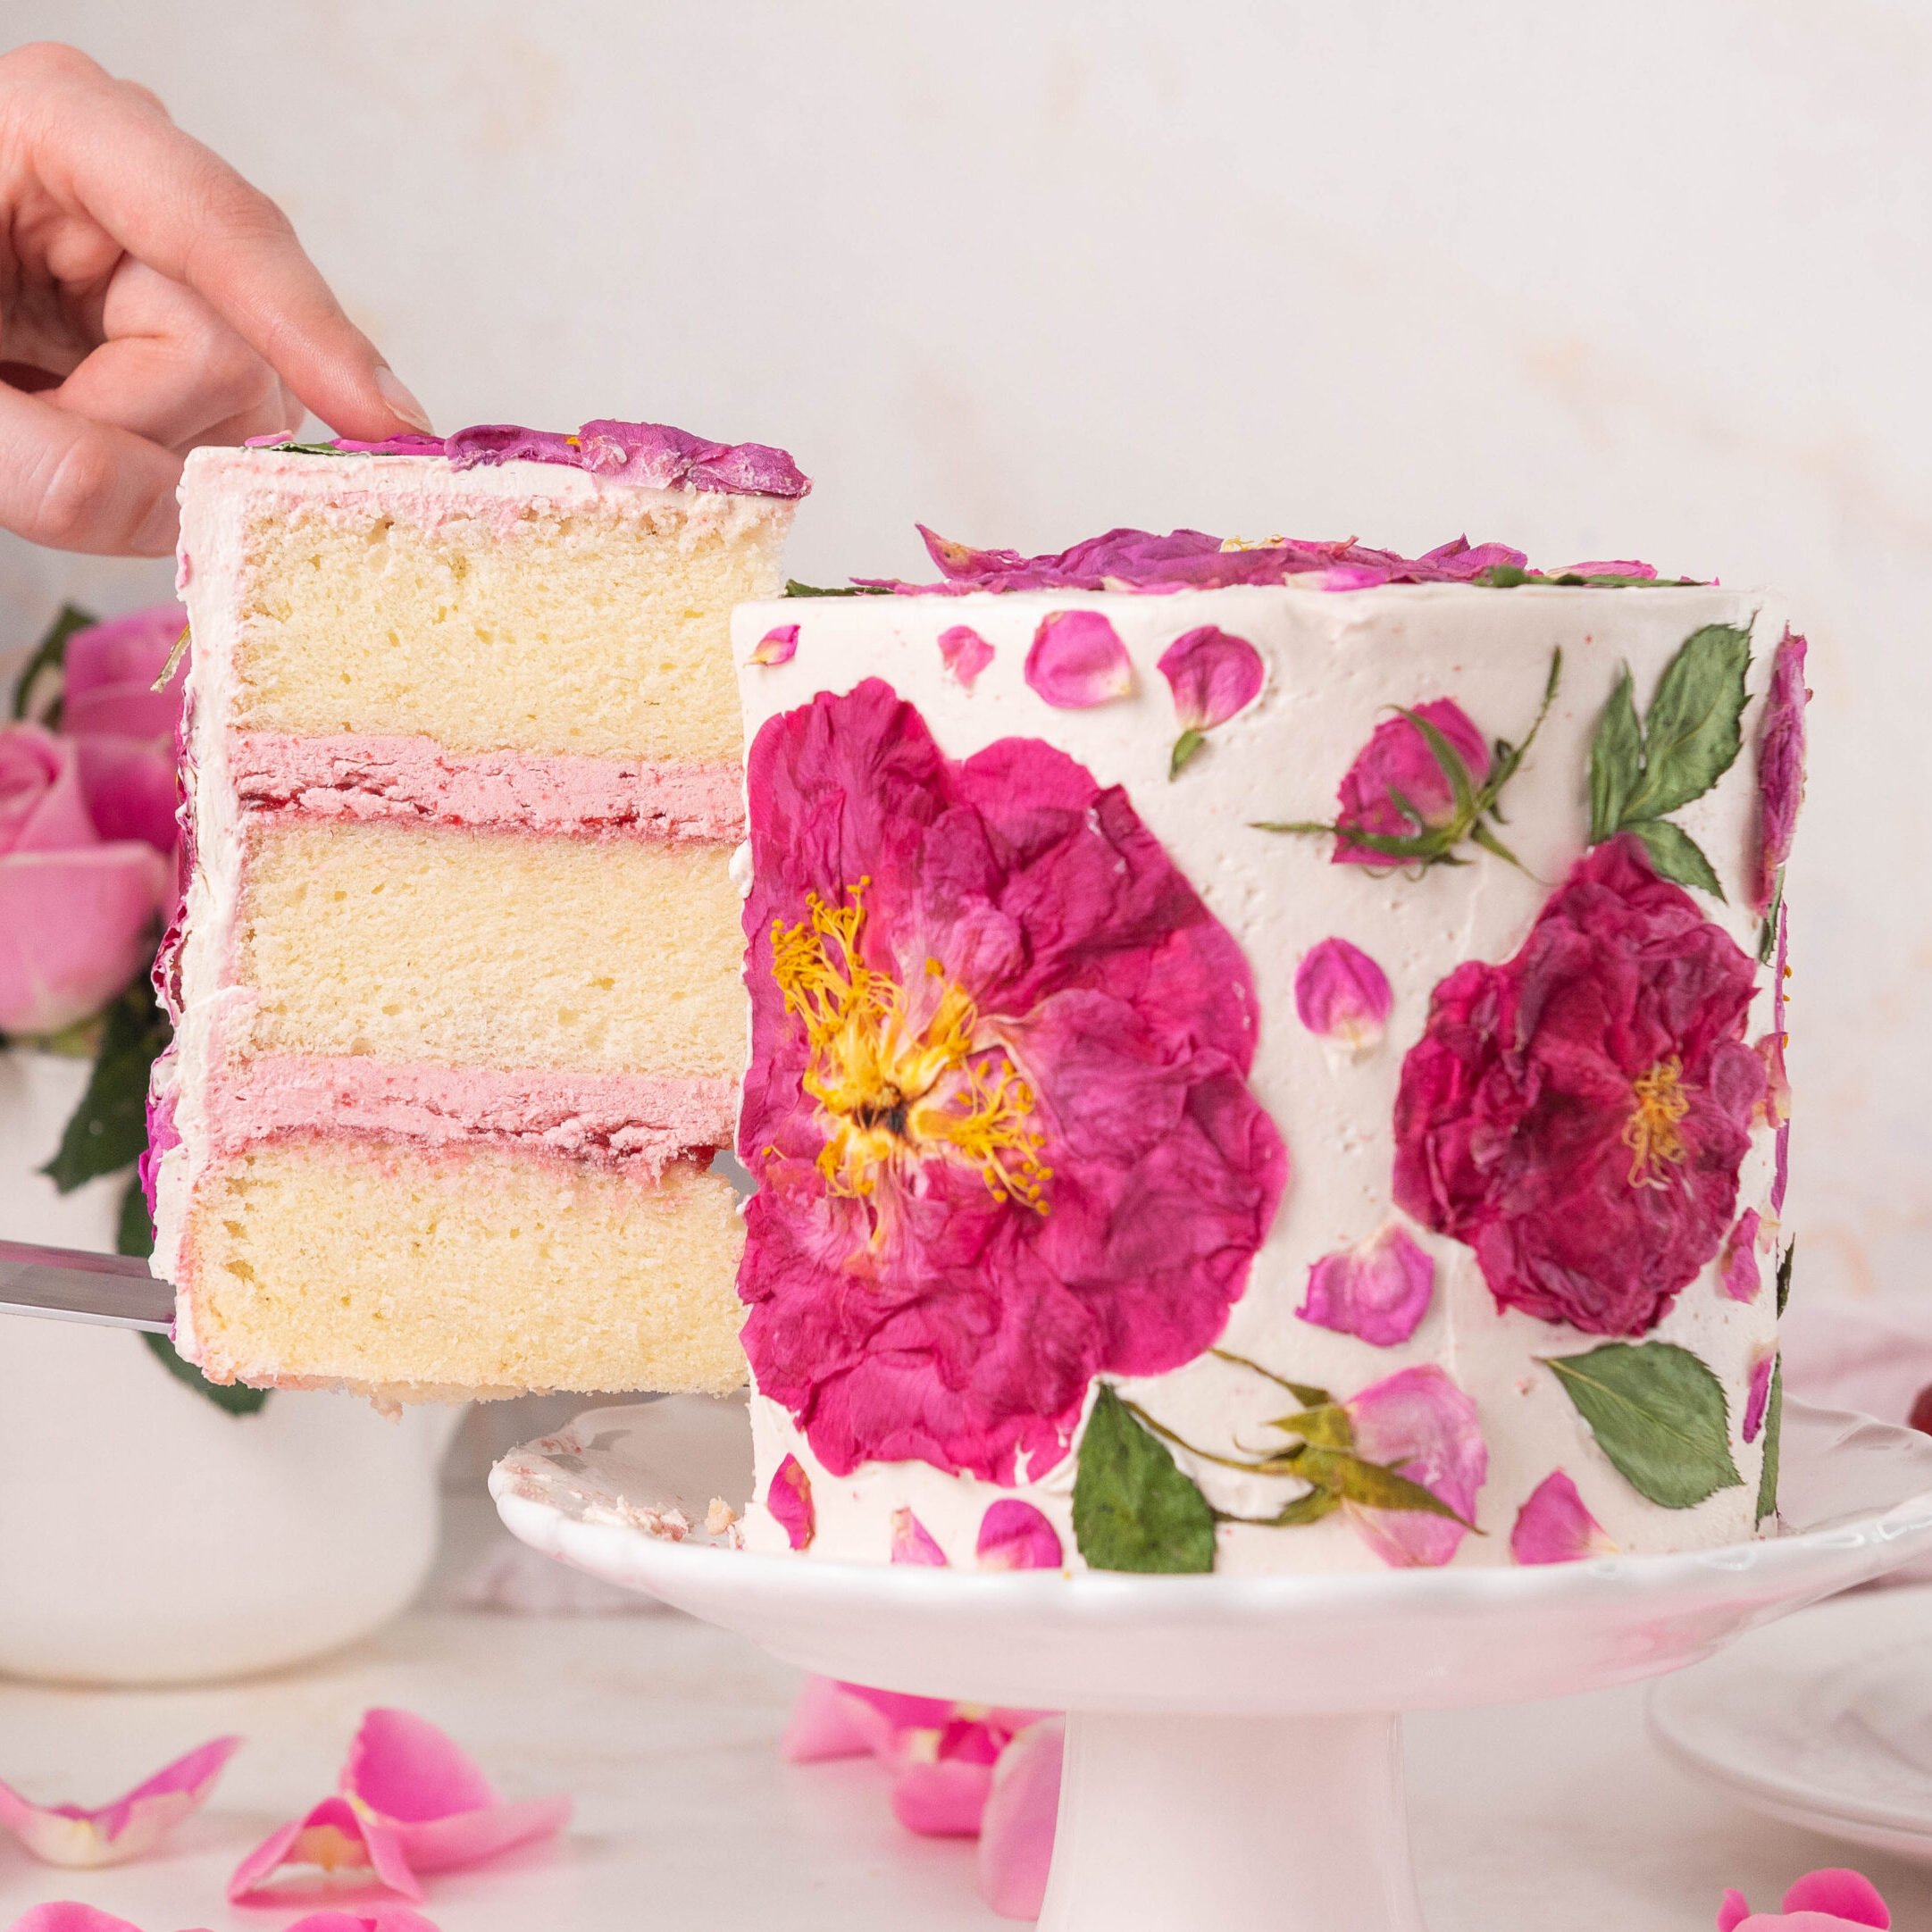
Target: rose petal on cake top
1343, 995
1578, 1114
1553, 1527
1780, 768
998, 1113
133, 1824
1397, 787
1738, 1266
334, 1842
1378, 1291
1015, 1535
1077, 661
1419, 1422
965, 653
1616, 566
1758, 1395
789, 1500
778, 645
913, 1541
1017, 1826
1213, 674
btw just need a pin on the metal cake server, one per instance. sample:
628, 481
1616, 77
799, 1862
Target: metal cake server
114, 1290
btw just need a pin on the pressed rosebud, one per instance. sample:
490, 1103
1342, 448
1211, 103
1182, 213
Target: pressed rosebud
1757, 1398
1077, 661
1014, 1535
1342, 994
789, 1500
1737, 1266
1554, 1528
913, 1541
778, 645
1212, 674
966, 652
1379, 1290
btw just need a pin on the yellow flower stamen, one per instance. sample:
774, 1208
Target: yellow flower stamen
1651, 1132
901, 1080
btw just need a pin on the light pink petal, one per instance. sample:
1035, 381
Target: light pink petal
913, 1541
1077, 661
943, 1799
1212, 674
41, 805
1554, 1528
68, 1835
406, 1770
468, 1837
1733, 1912
128, 787
778, 645
1015, 1535
1016, 1828
1418, 1421
384, 1919
1758, 1397
1838, 1892
1738, 1266
1343, 995
789, 1500
1379, 1290
1614, 566
125, 653
827, 1721
68, 1915
333, 1838
967, 653
898, 1712
75, 927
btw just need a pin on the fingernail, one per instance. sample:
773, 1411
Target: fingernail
401, 401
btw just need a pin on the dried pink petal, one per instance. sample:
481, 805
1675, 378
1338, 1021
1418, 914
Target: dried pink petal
1077, 661
1015, 1535
1343, 995
1213, 674
1018, 1825
1419, 1421
137, 1823
789, 1500
778, 645
913, 1541
1553, 1527
965, 653
333, 1838
1758, 1395
1378, 1291
1780, 767
1737, 1265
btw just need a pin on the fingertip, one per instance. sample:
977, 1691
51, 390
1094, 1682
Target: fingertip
401, 402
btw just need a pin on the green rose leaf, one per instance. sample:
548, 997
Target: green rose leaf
1184, 748
793, 587
109, 1129
1616, 760
1784, 1277
49, 655
1371, 1485
1773, 1423
1658, 1414
1134, 1508
1691, 735
1674, 854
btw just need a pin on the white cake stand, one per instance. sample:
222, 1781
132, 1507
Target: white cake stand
1233, 1748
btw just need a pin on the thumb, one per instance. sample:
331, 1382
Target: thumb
78, 485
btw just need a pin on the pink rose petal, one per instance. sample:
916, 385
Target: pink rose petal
1015, 1535
1840, 1894
778, 645
1016, 1828
943, 1798
1554, 1528
1077, 661
1780, 768
333, 1838
966, 652
827, 1721
789, 1500
1733, 1912
1342, 994
1396, 787
41, 805
1418, 1421
384, 1919
1212, 674
913, 1541
1757, 1398
68, 1915
68, 1835
1379, 1290
1739, 1275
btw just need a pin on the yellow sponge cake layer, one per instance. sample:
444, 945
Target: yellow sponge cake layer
597, 630
461, 947
474, 1270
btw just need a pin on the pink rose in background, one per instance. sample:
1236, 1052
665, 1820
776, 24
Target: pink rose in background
77, 913
123, 727
1397, 787
1820, 1901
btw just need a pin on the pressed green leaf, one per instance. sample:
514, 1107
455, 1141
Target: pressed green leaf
1616, 760
1373, 1486
1774, 1429
1324, 1426
1658, 1414
231, 1396
1134, 1508
1310, 1507
1675, 855
134, 1233
47, 657
1483, 836
793, 587
1184, 748
109, 1129
1783, 1275
1691, 735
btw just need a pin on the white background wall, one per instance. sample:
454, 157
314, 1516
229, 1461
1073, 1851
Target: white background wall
1650, 278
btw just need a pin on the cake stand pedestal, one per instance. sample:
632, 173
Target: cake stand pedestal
1233, 1746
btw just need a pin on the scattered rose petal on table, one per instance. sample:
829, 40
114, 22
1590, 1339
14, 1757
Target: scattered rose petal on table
1819, 1902
828, 1722
68, 1915
1016, 1829
332, 1838
70, 1835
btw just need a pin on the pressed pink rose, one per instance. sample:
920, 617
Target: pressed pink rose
1553, 1527
1780, 768
1213, 674
1833, 1900
789, 1500
778, 645
131, 1826
1343, 995
1015, 1535
1378, 1291
914, 1543
965, 653
997, 1111
1578, 1114
1397, 787
1077, 661
1737, 1268
1017, 1826
1420, 1423
76, 915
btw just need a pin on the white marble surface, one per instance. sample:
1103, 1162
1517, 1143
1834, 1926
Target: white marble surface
1558, 1816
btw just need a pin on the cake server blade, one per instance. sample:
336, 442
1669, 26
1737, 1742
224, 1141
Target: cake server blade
115, 1290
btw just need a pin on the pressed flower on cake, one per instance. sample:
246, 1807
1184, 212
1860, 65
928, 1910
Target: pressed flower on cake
998, 1110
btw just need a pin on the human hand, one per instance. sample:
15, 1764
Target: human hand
150, 300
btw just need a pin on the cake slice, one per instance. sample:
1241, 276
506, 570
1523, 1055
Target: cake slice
459, 1024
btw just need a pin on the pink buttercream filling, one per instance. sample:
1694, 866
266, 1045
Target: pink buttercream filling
414, 779
635, 1120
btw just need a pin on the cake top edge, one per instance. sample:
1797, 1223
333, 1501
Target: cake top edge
653, 455
1140, 560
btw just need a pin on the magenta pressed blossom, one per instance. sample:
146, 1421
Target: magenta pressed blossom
778, 645
1553, 1527
1077, 661
999, 1112
1379, 1292
965, 653
1578, 1114
1343, 995
1014, 1535
1780, 769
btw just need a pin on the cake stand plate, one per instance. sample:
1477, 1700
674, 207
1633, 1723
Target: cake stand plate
1233, 1749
